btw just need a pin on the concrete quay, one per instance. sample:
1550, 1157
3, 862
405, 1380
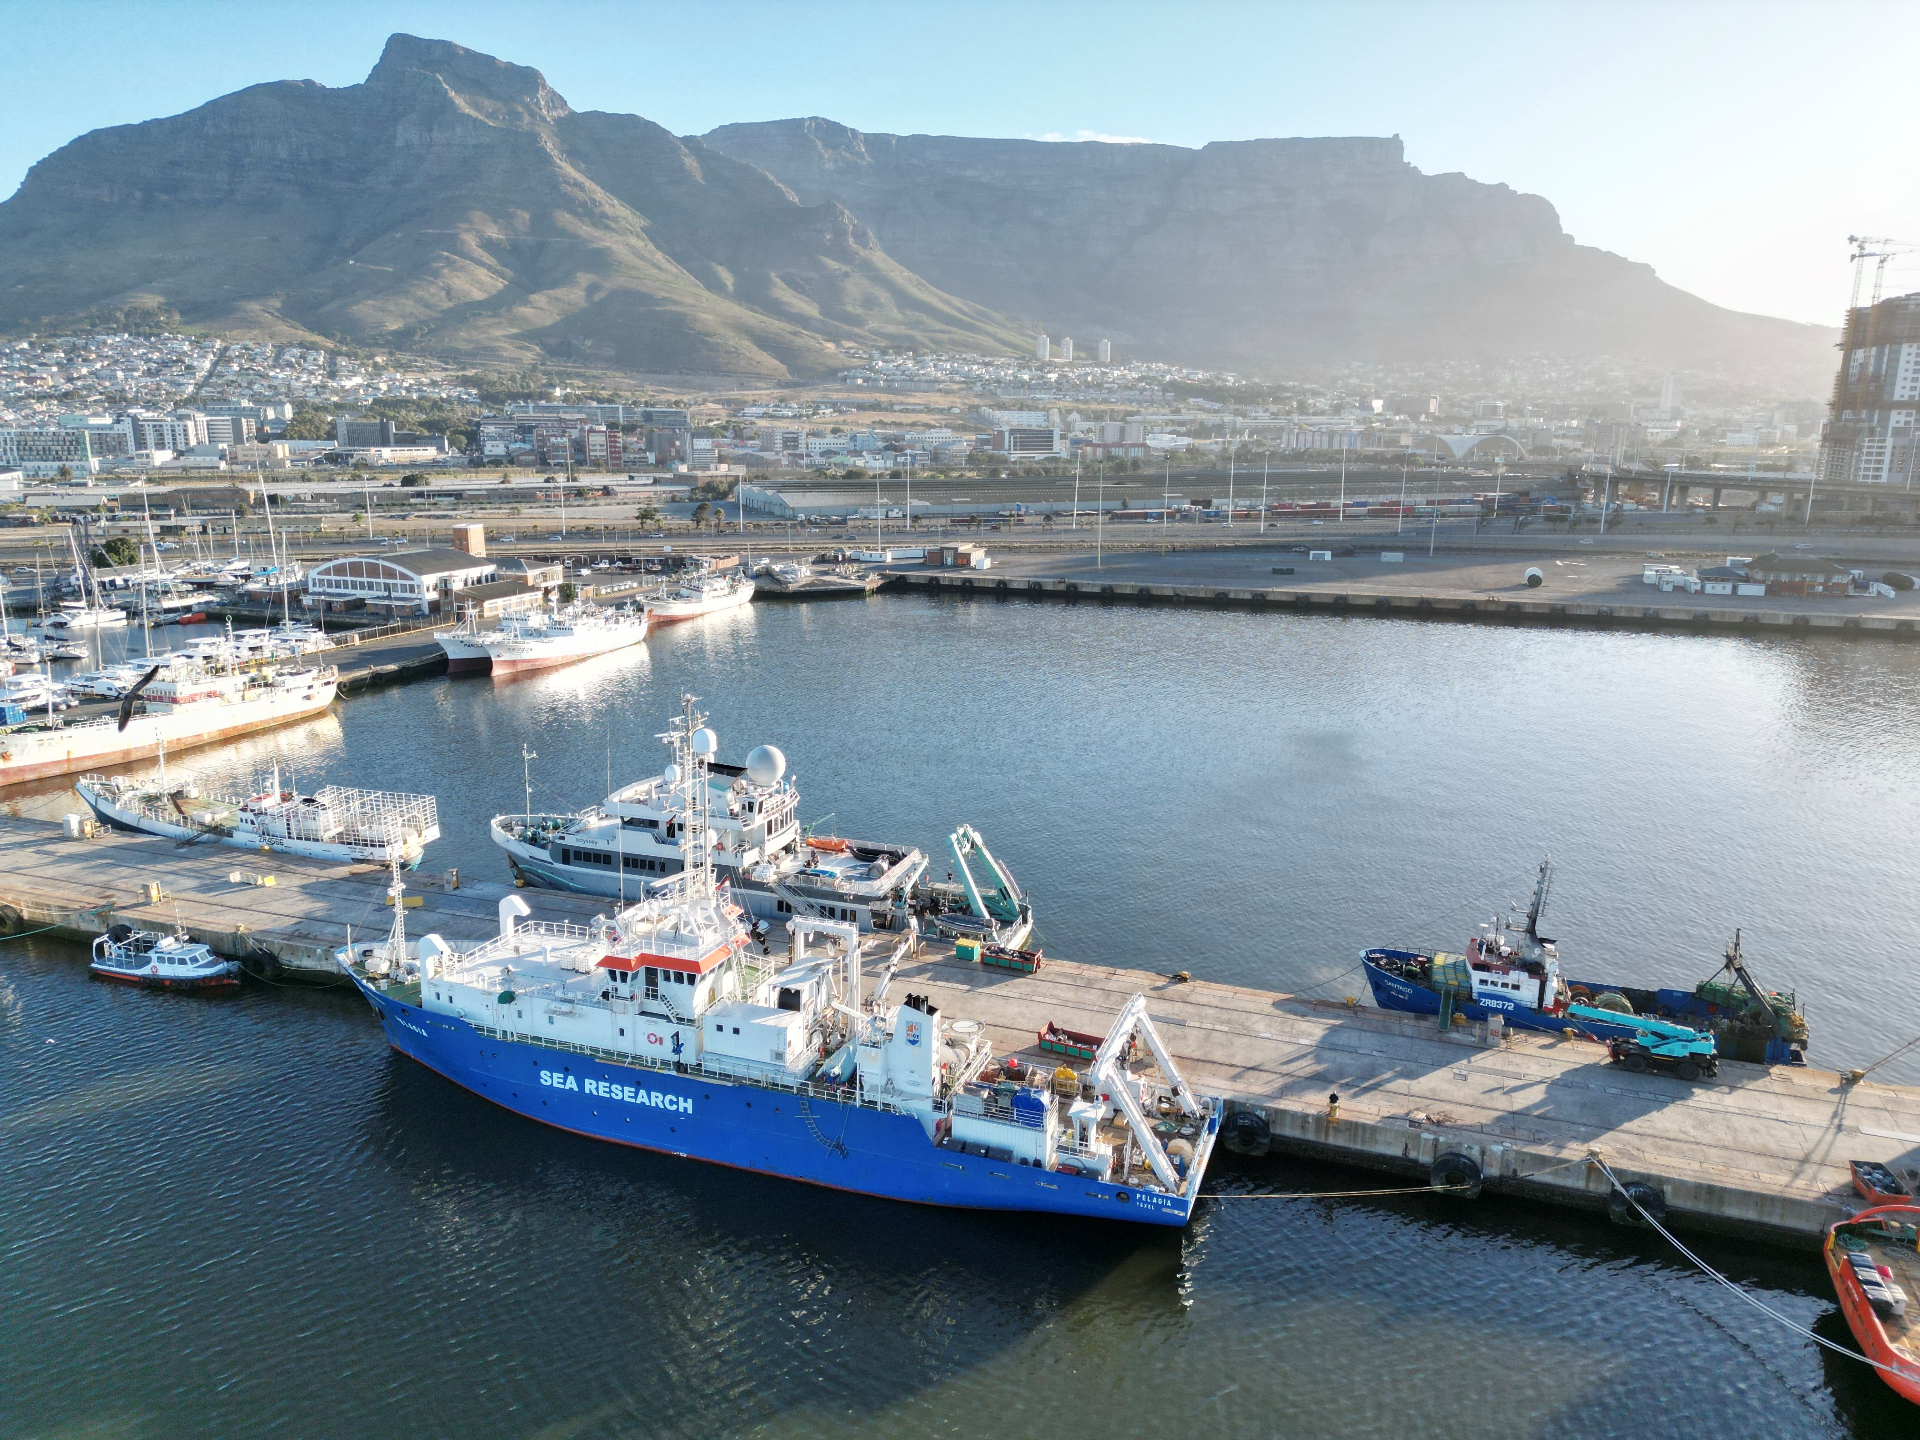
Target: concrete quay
77, 888
1757, 1152
1597, 591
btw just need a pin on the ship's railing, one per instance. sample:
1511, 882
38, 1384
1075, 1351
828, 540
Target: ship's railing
532, 936
701, 1070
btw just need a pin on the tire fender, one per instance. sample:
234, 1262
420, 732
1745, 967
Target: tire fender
1460, 1172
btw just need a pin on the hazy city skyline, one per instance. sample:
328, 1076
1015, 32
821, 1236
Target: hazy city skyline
1708, 142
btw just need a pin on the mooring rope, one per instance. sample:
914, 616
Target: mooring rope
1906, 1372
1395, 1190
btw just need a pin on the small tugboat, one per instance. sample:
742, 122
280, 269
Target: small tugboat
161, 962
1513, 971
1874, 1262
664, 1028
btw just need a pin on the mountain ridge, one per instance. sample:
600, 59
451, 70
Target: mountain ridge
456, 202
1323, 247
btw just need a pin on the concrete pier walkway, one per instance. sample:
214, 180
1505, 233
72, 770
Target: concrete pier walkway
1758, 1152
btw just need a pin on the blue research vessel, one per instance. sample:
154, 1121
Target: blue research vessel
665, 1028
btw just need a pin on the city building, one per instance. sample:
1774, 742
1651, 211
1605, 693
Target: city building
1670, 397
1024, 441
107, 435
1043, 348
1106, 352
47, 453
362, 433
1869, 437
178, 431
403, 582
1066, 349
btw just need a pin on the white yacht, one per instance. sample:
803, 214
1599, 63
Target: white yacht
635, 840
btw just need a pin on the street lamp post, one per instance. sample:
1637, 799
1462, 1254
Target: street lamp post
1099, 523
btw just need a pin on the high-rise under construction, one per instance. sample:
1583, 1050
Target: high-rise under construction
1869, 437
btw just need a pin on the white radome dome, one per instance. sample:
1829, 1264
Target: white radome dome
765, 765
705, 742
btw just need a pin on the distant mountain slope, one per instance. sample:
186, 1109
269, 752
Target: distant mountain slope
1258, 252
456, 202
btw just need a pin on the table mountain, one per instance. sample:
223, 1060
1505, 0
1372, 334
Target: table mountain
1258, 253
455, 202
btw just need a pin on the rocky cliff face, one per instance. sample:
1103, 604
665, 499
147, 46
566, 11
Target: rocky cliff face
1253, 252
456, 201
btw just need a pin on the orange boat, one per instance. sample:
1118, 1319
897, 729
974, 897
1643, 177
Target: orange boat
1874, 1261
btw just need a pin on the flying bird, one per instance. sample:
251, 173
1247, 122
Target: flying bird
126, 705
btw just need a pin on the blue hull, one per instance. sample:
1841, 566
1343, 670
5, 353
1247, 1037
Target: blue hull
775, 1132
1394, 992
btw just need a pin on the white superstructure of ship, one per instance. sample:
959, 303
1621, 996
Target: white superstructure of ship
579, 632
700, 592
180, 707
334, 823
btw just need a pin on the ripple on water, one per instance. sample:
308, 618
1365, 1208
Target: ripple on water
242, 1215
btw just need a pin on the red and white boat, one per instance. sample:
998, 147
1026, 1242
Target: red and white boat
700, 594
160, 962
1874, 1261
465, 646
578, 633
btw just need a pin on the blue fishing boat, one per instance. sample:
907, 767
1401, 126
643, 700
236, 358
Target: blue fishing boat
1511, 971
665, 1027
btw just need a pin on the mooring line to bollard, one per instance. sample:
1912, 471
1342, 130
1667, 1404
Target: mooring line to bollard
1905, 1372
1395, 1190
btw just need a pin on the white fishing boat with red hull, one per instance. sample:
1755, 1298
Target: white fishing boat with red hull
705, 593
578, 633
174, 709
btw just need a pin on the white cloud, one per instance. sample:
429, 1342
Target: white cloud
1097, 135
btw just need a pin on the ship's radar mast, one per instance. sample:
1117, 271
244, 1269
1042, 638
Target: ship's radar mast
693, 747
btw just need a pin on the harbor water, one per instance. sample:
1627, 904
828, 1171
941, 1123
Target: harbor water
244, 1215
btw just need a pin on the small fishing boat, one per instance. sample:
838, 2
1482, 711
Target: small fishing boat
161, 962
1874, 1262
1512, 971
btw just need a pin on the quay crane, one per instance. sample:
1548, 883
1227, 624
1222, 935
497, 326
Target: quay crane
1004, 912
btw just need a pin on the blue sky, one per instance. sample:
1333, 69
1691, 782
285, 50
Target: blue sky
1731, 146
